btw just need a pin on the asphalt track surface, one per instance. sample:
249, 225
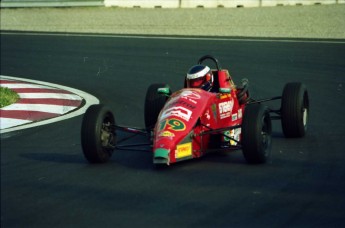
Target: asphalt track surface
46, 182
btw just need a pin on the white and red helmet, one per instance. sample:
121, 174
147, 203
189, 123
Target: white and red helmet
200, 77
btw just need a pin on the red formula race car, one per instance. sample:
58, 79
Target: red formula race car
192, 122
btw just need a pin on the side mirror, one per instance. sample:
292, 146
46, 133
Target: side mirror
164, 91
224, 90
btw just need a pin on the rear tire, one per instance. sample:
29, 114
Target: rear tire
256, 134
98, 137
154, 103
294, 110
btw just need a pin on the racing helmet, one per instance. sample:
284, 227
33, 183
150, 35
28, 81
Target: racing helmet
200, 77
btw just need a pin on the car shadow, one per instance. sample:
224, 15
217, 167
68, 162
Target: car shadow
277, 134
142, 160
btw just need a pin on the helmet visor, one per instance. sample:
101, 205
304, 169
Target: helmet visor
196, 83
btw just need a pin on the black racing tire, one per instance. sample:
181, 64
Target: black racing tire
154, 103
98, 136
294, 110
256, 134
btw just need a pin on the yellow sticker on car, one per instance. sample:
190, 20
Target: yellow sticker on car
184, 150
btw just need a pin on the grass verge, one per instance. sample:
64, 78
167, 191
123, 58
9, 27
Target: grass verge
7, 97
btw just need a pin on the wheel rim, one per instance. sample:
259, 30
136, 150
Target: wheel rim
305, 109
305, 116
107, 133
265, 136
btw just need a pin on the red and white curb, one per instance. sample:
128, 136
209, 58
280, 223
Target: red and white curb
41, 103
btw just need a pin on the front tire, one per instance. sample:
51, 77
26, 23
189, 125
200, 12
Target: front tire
98, 137
294, 110
154, 103
256, 134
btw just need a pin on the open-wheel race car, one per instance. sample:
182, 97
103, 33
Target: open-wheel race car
192, 122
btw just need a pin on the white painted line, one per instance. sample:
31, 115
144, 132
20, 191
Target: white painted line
57, 109
9, 122
50, 95
23, 85
89, 100
257, 39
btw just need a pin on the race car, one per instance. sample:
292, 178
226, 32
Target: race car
192, 122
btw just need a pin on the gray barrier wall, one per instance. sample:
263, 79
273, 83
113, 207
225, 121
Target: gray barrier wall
213, 3
49, 3
163, 3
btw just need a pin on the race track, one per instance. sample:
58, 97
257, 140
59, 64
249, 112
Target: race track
46, 182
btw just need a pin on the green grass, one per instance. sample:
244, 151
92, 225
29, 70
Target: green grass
7, 97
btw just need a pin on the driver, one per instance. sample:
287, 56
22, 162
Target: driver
200, 77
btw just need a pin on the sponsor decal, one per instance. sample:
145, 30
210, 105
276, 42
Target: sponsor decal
207, 114
183, 150
172, 124
177, 111
226, 139
184, 103
191, 96
224, 96
225, 109
166, 134
214, 111
235, 134
239, 113
234, 117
